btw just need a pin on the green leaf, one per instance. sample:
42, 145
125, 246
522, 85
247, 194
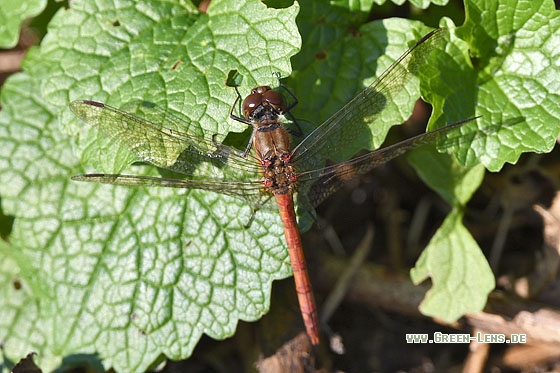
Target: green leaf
509, 85
454, 183
424, 4
12, 14
509, 82
128, 275
19, 309
110, 61
461, 277
22, 122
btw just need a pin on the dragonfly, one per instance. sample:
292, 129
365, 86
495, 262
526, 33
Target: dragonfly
175, 144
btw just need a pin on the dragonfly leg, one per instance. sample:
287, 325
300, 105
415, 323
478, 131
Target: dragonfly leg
235, 117
296, 101
242, 120
250, 143
256, 208
224, 150
297, 132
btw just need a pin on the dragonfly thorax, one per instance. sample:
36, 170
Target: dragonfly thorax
272, 148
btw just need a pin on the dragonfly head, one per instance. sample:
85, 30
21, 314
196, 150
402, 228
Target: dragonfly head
263, 104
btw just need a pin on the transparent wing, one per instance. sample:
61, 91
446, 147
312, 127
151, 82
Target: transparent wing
316, 185
166, 141
341, 128
249, 191
171, 143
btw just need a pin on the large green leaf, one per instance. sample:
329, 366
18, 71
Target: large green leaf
460, 274
122, 274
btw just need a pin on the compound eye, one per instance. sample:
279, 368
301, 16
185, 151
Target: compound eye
275, 99
260, 89
250, 103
